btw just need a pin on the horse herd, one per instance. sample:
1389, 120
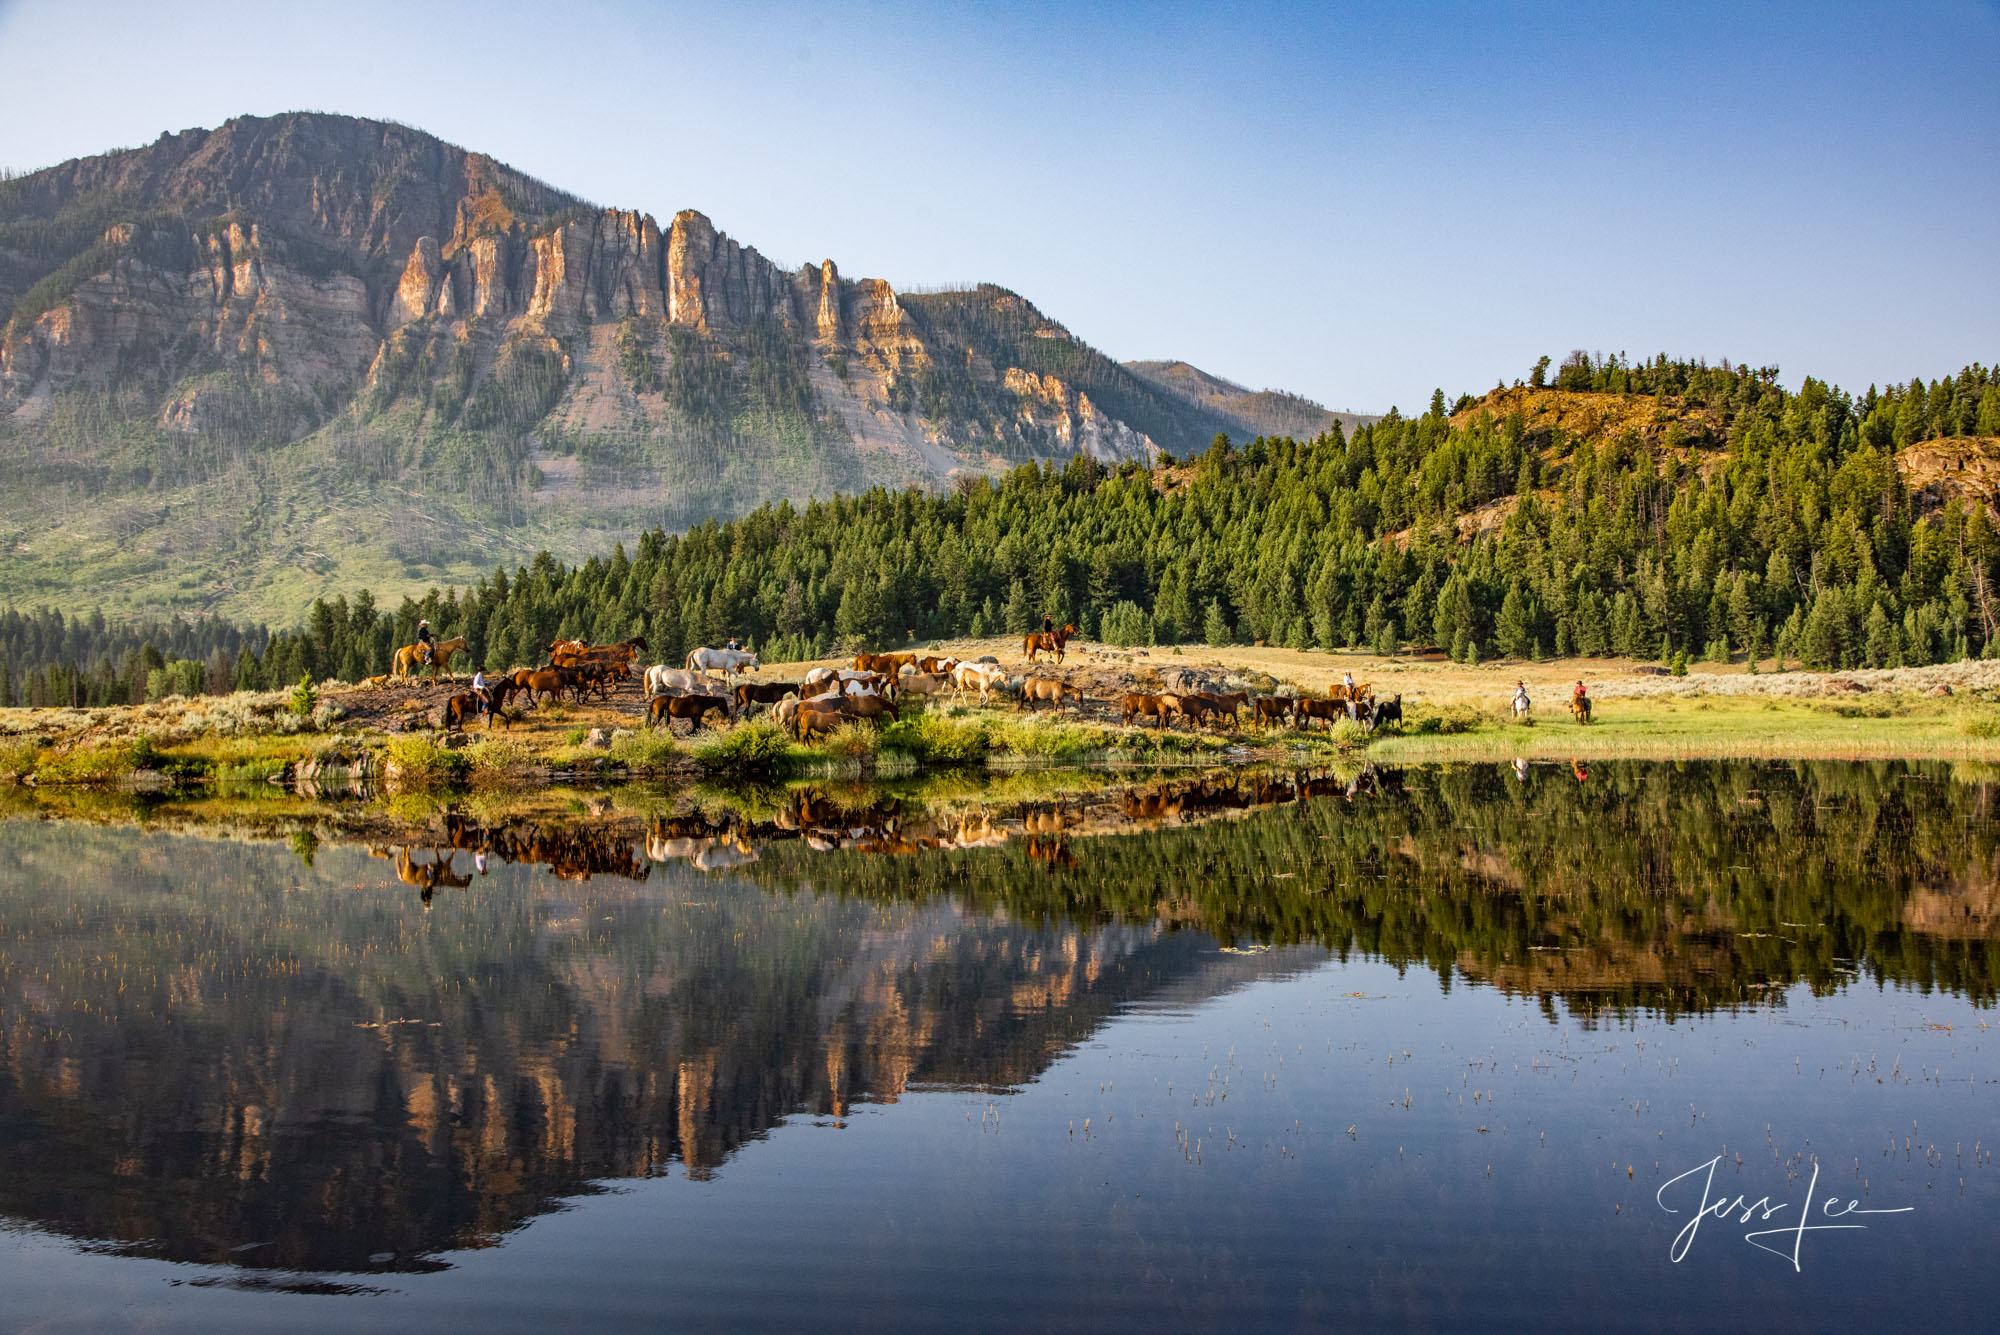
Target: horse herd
1356, 703
879, 686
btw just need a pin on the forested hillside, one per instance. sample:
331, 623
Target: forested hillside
1684, 508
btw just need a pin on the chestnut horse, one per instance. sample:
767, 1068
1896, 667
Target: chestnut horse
411, 657
1048, 642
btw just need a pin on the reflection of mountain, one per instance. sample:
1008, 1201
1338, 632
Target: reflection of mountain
205, 1059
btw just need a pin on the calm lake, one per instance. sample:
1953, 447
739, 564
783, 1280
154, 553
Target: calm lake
1427, 1049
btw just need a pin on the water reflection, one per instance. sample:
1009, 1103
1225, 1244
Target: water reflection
199, 1035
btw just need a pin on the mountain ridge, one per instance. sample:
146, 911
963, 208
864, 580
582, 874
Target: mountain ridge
243, 366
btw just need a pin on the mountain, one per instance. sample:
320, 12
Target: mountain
1268, 412
244, 366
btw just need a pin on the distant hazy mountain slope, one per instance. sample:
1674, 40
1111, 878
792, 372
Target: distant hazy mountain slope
1248, 412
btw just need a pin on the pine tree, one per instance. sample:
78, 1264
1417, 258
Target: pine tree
1215, 626
1019, 616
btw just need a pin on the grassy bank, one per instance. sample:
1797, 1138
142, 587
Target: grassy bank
1452, 712
1698, 727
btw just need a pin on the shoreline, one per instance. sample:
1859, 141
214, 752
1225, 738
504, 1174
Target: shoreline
387, 737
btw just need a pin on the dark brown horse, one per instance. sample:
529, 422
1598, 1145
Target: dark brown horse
763, 692
1052, 642
662, 709
1196, 707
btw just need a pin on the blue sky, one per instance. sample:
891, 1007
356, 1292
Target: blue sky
1357, 202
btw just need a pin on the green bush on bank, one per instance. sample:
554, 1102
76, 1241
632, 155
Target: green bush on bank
1969, 724
104, 762
644, 749
1442, 720
932, 738
417, 761
757, 747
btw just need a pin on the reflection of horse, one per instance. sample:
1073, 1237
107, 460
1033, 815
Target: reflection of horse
410, 657
426, 876
1048, 642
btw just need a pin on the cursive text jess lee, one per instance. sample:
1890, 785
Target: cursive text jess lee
1762, 1210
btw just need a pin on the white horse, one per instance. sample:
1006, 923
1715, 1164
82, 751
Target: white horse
981, 677
729, 661
1521, 706
663, 680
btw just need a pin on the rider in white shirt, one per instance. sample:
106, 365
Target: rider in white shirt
479, 689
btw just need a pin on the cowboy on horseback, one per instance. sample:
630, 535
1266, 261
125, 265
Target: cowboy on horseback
1520, 698
1579, 693
426, 642
1048, 624
481, 692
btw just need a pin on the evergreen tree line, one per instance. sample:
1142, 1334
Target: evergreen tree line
49, 659
1792, 534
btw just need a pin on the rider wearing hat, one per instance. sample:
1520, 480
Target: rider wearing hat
426, 642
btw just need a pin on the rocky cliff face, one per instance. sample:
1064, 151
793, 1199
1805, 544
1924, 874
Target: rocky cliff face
225, 312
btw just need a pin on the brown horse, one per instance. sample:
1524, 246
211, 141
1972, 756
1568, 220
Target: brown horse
663, 709
1266, 708
1324, 710
552, 682
1048, 642
411, 657
886, 664
1153, 706
463, 709
1196, 707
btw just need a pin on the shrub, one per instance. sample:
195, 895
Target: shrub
103, 763
575, 736
1048, 740
17, 758
419, 760
305, 696
1679, 667
497, 758
250, 771
1443, 720
938, 740
853, 739
1345, 733
757, 747
1979, 725
644, 750
253, 713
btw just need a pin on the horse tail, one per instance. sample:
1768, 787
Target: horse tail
689, 664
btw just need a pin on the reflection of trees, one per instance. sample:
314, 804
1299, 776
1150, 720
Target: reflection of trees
1672, 887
